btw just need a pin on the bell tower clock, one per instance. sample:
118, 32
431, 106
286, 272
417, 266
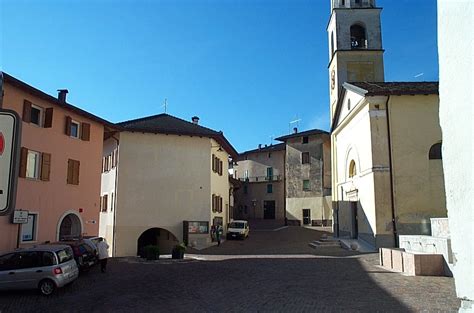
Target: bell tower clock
355, 45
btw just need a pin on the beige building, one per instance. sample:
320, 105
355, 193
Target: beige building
164, 181
387, 177
261, 194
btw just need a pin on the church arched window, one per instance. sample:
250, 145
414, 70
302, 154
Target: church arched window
435, 152
352, 169
358, 37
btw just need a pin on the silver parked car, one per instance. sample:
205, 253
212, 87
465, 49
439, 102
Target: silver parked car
44, 267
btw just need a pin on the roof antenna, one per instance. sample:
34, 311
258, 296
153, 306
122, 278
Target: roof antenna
297, 120
165, 105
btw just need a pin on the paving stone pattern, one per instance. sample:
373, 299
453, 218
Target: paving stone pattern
345, 282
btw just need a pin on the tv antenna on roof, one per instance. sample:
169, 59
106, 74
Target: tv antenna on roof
165, 104
297, 121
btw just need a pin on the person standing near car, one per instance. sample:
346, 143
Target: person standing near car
103, 249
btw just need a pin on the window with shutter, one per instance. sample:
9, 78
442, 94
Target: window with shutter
26, 111
221, 164
305, 158
213, 163
73, 172
68, 125
23, 161
48, 118
45, 166
85, 131
213, 203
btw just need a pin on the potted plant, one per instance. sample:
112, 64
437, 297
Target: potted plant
178, 251
152, 252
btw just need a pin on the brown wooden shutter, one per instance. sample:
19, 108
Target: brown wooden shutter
220, 167
45, 166
85, 131
105, 203
70, 170
23, 161
76, 172
26, 111
220, 204
48, 118
68, 125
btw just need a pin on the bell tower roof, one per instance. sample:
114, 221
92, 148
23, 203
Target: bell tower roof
352, 4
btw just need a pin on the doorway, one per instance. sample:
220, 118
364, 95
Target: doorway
355, 222
306, 216
70, 227
269, 210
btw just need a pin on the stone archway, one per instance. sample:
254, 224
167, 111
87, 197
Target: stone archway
155, 236
70, 226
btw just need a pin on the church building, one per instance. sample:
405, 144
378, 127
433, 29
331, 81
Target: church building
387, 177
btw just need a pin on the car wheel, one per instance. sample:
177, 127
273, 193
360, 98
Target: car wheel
46, 287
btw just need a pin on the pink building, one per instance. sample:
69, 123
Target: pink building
60, 167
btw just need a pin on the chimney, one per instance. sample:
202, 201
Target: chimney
195, 120
259, 146
62, 95
295, 130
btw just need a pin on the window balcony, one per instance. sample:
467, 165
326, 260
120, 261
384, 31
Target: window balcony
257, 179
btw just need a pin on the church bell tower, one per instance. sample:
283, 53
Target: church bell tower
355, 45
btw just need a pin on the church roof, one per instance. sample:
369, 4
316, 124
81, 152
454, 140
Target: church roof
394, 88
167, 124
301, 134
368, 89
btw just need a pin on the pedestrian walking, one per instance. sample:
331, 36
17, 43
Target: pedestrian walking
103, 249
218, 234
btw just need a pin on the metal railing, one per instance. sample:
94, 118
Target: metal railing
261, 178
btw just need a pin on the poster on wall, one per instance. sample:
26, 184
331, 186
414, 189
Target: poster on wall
198, 227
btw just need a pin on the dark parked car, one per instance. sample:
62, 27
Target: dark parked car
84, 254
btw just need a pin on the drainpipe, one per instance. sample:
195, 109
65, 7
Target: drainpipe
392, 199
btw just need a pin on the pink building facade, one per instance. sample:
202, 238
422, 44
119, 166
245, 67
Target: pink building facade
60, 168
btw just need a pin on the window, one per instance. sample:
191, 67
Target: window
358, 39
305, 158
305, 139
245, 189
435, 152
103, 203
73, 172
246, 174
306, 185
74, 132
36, 116
28, 230
348, 104
112, 203
33, 164
352, 169
269, 173
269, 154
269, 188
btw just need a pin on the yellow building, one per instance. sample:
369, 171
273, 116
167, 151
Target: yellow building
386, 156
164, 181
387, 177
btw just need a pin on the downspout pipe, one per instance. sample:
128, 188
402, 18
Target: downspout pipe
392, 199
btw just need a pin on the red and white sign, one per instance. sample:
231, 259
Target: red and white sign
9, 146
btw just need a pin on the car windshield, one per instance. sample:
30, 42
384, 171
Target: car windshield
237, 225
64, 255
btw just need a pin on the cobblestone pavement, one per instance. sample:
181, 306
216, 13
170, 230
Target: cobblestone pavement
310, 283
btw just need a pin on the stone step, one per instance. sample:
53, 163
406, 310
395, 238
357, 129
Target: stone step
319, 244
329, 239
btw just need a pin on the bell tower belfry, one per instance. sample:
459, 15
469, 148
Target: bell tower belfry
355, 45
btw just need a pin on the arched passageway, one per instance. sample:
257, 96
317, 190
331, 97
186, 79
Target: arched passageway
160, 237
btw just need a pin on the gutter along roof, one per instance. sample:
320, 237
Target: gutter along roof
167, 124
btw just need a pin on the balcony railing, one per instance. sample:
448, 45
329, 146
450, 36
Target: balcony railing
261, 178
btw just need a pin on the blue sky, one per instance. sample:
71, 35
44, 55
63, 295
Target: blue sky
247, 68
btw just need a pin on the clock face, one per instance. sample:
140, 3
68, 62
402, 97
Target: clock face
333, 79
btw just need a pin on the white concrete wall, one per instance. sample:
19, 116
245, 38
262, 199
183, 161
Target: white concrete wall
108, 187
455, 43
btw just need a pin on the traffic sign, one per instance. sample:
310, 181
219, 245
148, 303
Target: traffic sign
9, 161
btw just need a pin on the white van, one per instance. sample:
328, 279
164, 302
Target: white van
238, 229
